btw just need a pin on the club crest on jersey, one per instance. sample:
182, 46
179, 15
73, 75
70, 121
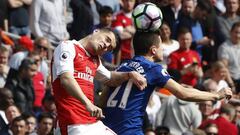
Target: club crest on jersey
64, 56
164, 72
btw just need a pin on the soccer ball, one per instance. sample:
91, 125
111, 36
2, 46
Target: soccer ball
147, 17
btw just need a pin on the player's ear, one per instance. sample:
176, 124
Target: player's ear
153, 50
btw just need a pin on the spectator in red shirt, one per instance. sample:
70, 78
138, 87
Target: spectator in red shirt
186, 60
224, 121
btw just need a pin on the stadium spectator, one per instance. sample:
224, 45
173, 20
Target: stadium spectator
207, 111
193, 21
221, 75
229, 54
31, 123
49, 105
4, 68
11, 112
106, 16
172, 14
211, 129
169, 45
123, 25
224, 22
224, 121
19, 17
44, 47
5, 100
186, 60
153, 106
178, 115
75, 65
45, 124
21, 85
3, 12
129, 103
19, 126
38, 84
114, 4
24, 46
47, 19
85, 16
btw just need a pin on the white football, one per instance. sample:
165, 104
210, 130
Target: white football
147, 17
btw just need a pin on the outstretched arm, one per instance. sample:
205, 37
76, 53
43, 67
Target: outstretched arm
115, 78
191, 94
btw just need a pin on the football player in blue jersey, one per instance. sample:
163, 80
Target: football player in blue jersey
126, 104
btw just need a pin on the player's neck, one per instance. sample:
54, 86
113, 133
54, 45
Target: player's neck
84, 42
150, 58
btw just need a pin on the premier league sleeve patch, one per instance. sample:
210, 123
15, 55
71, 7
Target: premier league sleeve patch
64, 56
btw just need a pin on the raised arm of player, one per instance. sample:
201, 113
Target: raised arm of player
71, 86
191, 94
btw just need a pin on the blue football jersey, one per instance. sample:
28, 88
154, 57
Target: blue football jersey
126, 104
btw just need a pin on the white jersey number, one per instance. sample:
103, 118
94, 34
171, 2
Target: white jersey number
123, 102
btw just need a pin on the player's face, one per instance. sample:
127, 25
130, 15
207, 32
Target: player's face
101, 42
159, 52
185, 40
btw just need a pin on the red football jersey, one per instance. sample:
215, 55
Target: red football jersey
71, 57
179, 59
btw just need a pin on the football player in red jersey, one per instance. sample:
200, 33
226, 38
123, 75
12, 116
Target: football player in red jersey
74, 66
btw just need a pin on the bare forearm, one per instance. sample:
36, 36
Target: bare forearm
189, 94
117, 78
72, 88
195, 95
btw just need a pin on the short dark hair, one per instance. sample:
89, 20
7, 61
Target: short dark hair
105, 10
142, 41
183, 30
205, 5
235, 25
44, 115
26, 63
19, 118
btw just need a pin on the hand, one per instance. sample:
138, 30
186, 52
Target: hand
130, 29
138, 79
225, 93
95, 111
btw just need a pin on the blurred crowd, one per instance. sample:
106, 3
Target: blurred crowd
201, 49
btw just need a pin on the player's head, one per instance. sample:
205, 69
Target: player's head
148, 43
101, 41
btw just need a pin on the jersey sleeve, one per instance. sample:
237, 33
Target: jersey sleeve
172, 61
102, 73
64, 56
158, 76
